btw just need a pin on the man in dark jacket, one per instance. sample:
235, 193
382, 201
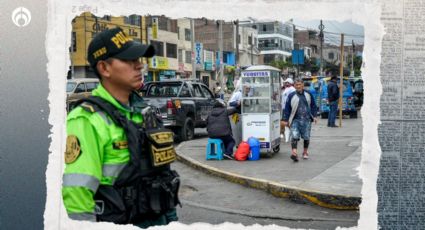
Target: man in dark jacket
333, 96
218, 126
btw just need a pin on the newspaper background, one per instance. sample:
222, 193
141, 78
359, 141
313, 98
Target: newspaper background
401, 178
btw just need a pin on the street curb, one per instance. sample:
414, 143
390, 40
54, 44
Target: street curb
332, 201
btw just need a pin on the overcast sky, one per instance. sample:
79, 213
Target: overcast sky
346, 27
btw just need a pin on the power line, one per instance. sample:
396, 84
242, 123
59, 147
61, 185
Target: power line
328, 32
335, 26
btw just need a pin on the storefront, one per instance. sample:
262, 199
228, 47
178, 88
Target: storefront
159, 69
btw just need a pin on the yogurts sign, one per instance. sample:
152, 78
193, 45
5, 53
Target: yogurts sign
256, 74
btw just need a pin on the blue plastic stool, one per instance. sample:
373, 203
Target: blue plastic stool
215, 149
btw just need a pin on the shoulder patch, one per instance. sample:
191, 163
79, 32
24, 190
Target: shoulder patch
89, 107
73, 149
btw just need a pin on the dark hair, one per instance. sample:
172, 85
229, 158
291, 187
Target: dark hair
298, 80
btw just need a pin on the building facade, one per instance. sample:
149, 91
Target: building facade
184, 52
249, 54
163, 35
275, 39
309, 41
86, 26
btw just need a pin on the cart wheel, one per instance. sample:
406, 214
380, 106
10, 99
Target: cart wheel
276, 149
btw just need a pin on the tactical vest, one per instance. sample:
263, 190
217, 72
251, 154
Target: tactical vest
146, 188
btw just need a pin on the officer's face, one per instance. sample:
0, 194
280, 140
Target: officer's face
125, 74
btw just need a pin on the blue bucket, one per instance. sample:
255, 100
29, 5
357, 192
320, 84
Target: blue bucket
254, 145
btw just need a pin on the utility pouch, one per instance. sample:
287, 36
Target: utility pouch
160, 193
110, 205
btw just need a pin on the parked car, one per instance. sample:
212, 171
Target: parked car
183, 104
348, 107
357, 85
79, 88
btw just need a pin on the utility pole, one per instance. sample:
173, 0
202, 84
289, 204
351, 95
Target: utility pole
341, 79
252, 46
321, 36
220, 43
192, 41
352, 59
237, 40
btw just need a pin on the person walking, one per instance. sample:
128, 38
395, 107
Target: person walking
117, 153
218, 126
333, 97
300, 112
289, 88
288, 85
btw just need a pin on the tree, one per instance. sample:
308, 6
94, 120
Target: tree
358, 65
280, 64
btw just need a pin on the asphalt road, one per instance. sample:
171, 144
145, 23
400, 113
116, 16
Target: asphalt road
214, 200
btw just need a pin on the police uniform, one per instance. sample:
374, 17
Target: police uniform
98, 152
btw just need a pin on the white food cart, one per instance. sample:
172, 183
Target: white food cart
261, 106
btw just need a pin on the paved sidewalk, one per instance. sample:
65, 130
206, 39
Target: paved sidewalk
329, 178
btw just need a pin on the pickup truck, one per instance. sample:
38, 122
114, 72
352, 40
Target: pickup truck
183, 104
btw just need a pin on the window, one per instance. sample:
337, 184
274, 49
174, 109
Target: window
187, 34
331, 56
171, 50
159, 47
70, 87
107, 17
197, 90
180, 56
185, 92
81, 88
162, 90
134, 20
91, 86
126, 20
74, 41
188, 56
250, 40
206, 92
132, 32
264, 27
162, 23
268, 58
239, 39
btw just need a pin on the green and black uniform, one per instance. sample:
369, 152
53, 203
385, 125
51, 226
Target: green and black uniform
97, 152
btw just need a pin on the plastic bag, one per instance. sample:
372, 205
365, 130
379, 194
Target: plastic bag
242, 152
287, 134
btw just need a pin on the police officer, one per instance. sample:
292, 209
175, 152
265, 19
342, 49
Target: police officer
108, 176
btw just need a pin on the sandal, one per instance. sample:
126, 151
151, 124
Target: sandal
305, 156
294, 158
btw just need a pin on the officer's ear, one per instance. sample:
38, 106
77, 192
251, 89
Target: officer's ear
104, 68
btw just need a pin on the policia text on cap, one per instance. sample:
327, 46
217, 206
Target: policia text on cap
118, 154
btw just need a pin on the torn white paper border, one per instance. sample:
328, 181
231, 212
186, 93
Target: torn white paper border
58, 39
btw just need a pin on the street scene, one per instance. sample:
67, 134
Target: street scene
265, 116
